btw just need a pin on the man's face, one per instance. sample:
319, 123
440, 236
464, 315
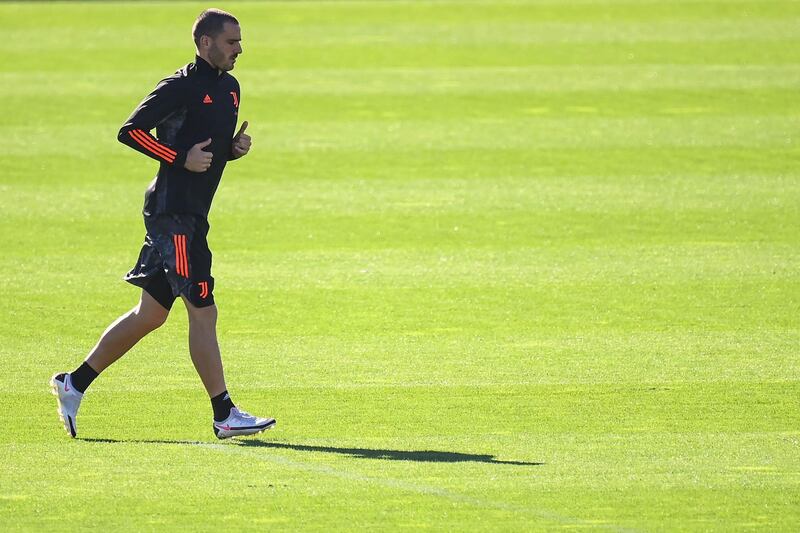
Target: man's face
225, 47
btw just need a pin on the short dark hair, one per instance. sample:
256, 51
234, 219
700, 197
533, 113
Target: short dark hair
211, 22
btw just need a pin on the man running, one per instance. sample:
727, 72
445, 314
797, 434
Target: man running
194, 112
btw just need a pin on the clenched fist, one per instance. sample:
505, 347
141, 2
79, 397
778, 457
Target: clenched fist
198, 160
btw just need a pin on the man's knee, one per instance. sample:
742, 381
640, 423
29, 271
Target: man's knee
150, 318
206, 316
149, 313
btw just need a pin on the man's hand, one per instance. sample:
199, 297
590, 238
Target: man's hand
241, 142
198, 160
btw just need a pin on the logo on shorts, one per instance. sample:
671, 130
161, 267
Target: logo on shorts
203, 289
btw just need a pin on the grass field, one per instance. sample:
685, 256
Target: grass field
491, 265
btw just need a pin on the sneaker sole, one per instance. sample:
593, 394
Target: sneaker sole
69, 426
243, 432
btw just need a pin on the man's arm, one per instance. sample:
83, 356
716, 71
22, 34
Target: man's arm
158, 105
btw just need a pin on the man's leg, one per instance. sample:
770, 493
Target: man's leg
228, 420
126, 331
204, 348
117, 339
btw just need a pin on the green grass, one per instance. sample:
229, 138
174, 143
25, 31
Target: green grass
491, 265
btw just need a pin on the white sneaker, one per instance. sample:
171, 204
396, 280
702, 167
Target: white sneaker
240, 423
69, 400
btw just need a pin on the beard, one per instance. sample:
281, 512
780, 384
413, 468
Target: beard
218, 58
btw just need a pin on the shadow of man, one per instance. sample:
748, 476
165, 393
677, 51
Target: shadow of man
425, 456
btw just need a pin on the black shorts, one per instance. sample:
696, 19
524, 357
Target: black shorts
175, 260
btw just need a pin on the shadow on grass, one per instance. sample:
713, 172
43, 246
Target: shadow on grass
422, 456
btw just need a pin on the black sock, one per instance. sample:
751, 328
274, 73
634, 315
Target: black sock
82, 377
222, 406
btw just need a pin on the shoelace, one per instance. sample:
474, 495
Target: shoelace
244, 414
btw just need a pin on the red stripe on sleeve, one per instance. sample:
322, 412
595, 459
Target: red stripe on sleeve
144, 142
149, 144
167, 149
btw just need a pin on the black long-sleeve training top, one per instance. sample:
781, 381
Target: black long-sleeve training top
194, 104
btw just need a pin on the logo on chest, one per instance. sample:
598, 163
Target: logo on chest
207, 100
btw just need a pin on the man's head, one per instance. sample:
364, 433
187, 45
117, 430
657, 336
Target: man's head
217, 37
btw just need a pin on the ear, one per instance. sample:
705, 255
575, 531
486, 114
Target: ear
205, 41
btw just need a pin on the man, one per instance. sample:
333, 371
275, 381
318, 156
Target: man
194, 112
